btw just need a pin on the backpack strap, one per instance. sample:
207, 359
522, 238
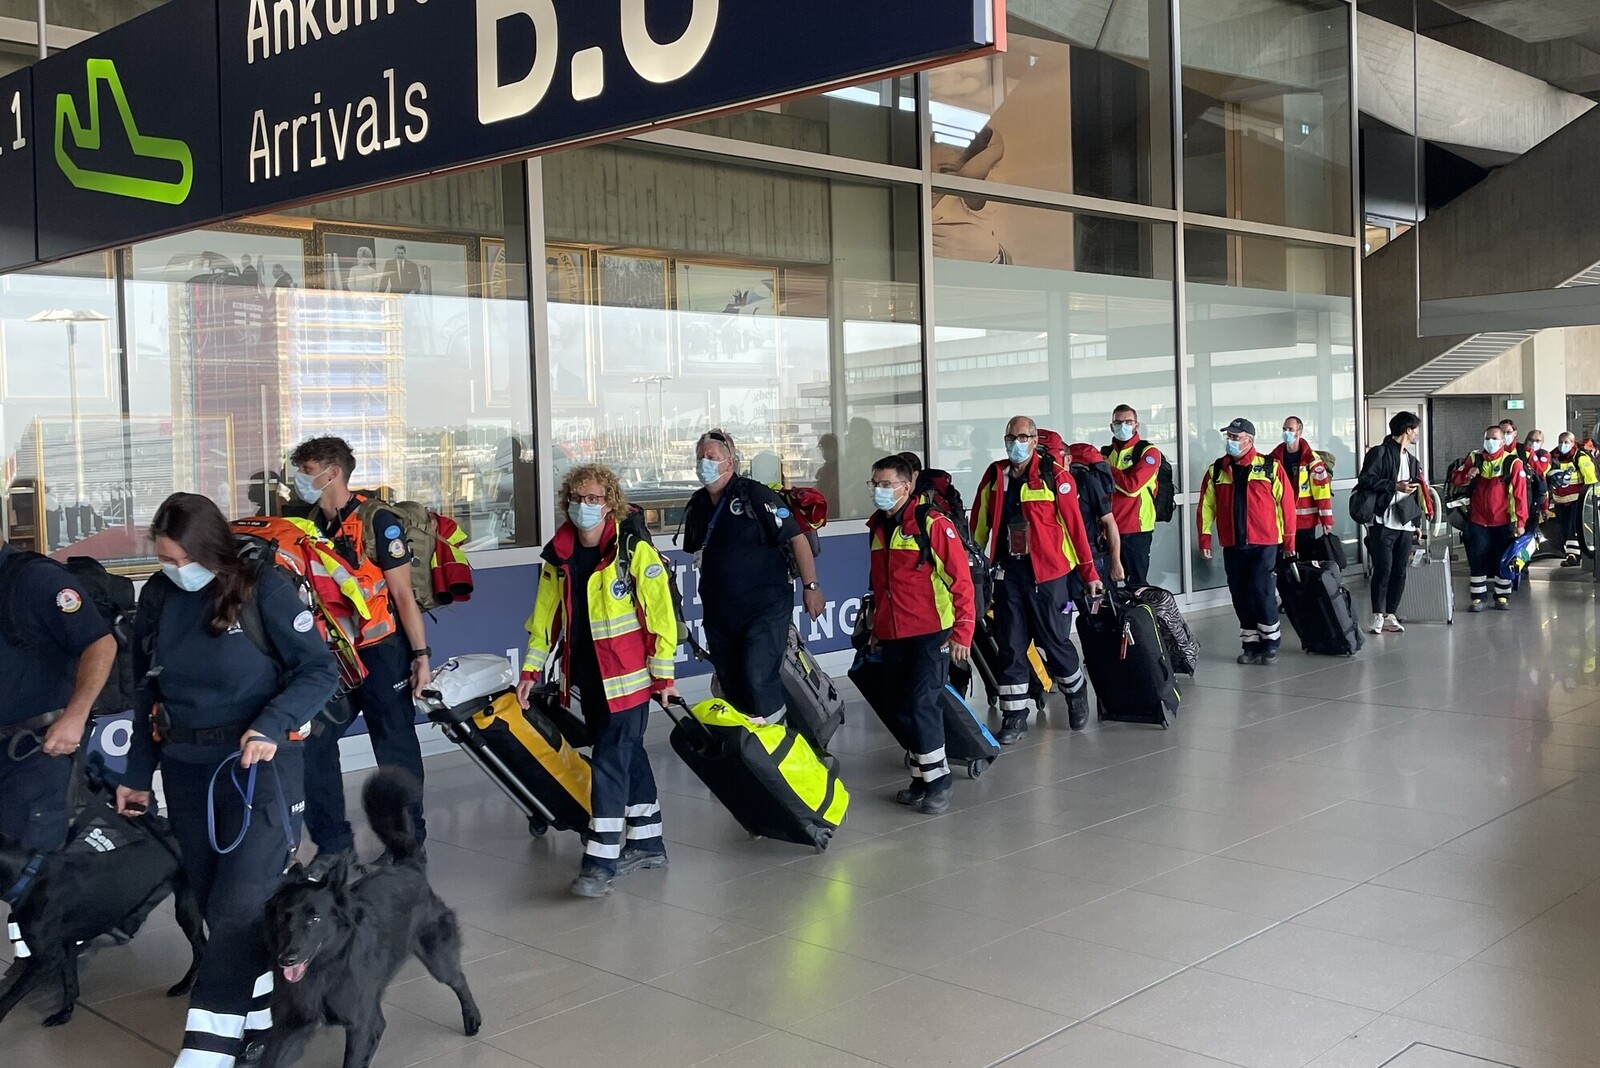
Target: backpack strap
151, 603
921, 536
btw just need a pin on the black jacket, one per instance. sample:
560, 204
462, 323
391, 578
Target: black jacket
1379, 473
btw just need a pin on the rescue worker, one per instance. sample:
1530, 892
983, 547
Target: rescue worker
1394, 478
924, 620
1496, 515
1312, 485
745, 543
1025, 516
1253, 525
1135, 469
394, 647
1572, 473
56, 652
619, 639
213, 705
1537, 462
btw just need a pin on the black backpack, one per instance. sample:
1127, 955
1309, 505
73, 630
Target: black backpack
1166, 488
110, 595
977, 562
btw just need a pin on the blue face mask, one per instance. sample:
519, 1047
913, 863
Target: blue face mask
709, 471
1491, 446
1566, 447
586, 516
884, 500
190, 578
1122, 431
1235, 448
1290, 437
305, 487
1019, 451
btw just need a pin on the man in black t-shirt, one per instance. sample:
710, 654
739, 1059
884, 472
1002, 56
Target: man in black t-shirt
748, 549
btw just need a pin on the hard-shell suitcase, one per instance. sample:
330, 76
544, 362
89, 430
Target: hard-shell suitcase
812, 702
1319, 608
1183, 650
967, 741
766, 775
1127, 661
525, 754
1430, 594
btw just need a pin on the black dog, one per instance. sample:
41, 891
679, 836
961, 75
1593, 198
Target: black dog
113, 872
338, 943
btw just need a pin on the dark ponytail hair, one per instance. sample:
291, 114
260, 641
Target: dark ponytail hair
196, 523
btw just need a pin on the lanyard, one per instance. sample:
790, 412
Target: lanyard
247, 793
716, 515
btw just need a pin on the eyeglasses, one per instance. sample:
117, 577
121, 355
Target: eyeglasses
891, 485
1024, 438
592, 498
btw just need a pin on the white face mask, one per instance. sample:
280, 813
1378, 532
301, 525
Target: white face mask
190, 578
305, 487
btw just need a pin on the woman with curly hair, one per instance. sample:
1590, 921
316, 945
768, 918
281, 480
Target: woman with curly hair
605, 595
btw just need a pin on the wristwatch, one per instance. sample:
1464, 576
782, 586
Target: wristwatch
418, 654
812, 586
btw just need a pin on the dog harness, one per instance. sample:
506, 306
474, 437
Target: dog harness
19, 889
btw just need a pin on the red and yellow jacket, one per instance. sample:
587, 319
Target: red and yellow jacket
1057, 539
1499, 489
1134, 466
1263, 515
379, 622
1313, 487
1580, 465
913, 596
631, 620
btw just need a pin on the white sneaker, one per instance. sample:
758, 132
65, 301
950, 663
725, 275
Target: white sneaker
1377, 623
1391, 623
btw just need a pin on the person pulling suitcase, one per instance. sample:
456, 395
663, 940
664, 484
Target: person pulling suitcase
1247, 497
1496, 516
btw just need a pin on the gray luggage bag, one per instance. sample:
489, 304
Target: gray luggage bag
1430, 595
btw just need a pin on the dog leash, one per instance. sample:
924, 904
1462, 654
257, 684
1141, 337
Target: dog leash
247, 793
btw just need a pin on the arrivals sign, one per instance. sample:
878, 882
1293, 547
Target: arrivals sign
202, 110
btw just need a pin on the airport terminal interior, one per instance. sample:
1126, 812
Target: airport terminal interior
1330, 211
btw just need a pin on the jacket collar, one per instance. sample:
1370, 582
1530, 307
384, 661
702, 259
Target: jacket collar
558, 550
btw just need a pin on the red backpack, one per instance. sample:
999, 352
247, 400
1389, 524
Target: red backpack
1053, 445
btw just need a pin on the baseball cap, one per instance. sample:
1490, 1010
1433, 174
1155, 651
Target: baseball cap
1240, 426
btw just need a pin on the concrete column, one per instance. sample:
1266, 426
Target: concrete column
1544, 385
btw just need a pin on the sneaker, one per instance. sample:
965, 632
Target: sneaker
1477, 606
1012, 728
1249, 656
634, 859
1078, 708
1377, 623
1502, 604
1267, 657
591, 883
913, 794
936, 802
1391, 623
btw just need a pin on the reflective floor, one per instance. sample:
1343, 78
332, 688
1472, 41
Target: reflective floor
1393, 860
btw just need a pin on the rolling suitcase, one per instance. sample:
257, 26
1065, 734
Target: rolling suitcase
766, 775
1430, 594
967, 741
1127, 661
811, 701
1515, 560
1319, 608
1183, 651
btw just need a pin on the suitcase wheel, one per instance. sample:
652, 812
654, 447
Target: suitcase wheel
537, 826
822, 839
977, 767
1166, 717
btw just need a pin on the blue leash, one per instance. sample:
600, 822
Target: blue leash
247, 793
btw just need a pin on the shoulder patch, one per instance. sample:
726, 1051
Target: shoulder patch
949, 531
1150, 458
619, 589
736, 506
393, 532
397, 547
653, 571
1064, 489
783, 513
1319, 473
69, 601
304, 621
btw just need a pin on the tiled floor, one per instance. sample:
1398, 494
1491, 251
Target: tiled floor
1393, 860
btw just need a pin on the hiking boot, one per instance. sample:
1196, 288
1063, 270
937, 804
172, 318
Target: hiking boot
1078, 708
913, 794
1391, 623
936, 802
634, 859
1249, 656
591, 883
1477, 606
1012, 728
1267, 657
1502, 604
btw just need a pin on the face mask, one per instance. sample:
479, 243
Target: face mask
1535, 445
1566, 447
190, 578
305, 487
586, 516
1019, 451
1235, 448
1122, 431
1491, 445
709, 471
1290, 437
884, 500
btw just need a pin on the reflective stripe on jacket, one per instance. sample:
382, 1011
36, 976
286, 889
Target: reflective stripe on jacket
913, 597
1313, 486
379, 622
1058, 540
1581, 466
1134, 504
1492, 506
1268, 505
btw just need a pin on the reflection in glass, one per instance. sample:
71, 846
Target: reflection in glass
875, 122
1266, 111
1271, 334
1067, 107
1058, 336
793, 323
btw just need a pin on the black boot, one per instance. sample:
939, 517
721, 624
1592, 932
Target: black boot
913, 794
1078, 708
1012, 728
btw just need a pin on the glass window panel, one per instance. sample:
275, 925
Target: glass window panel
1266, 103
782, 307
876, 122
1079, 321
1271, 334
1070, 106
409, 342
61, 379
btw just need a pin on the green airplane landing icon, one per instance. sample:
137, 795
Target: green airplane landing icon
86, 138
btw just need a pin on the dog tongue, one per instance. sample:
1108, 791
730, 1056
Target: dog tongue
295, 972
